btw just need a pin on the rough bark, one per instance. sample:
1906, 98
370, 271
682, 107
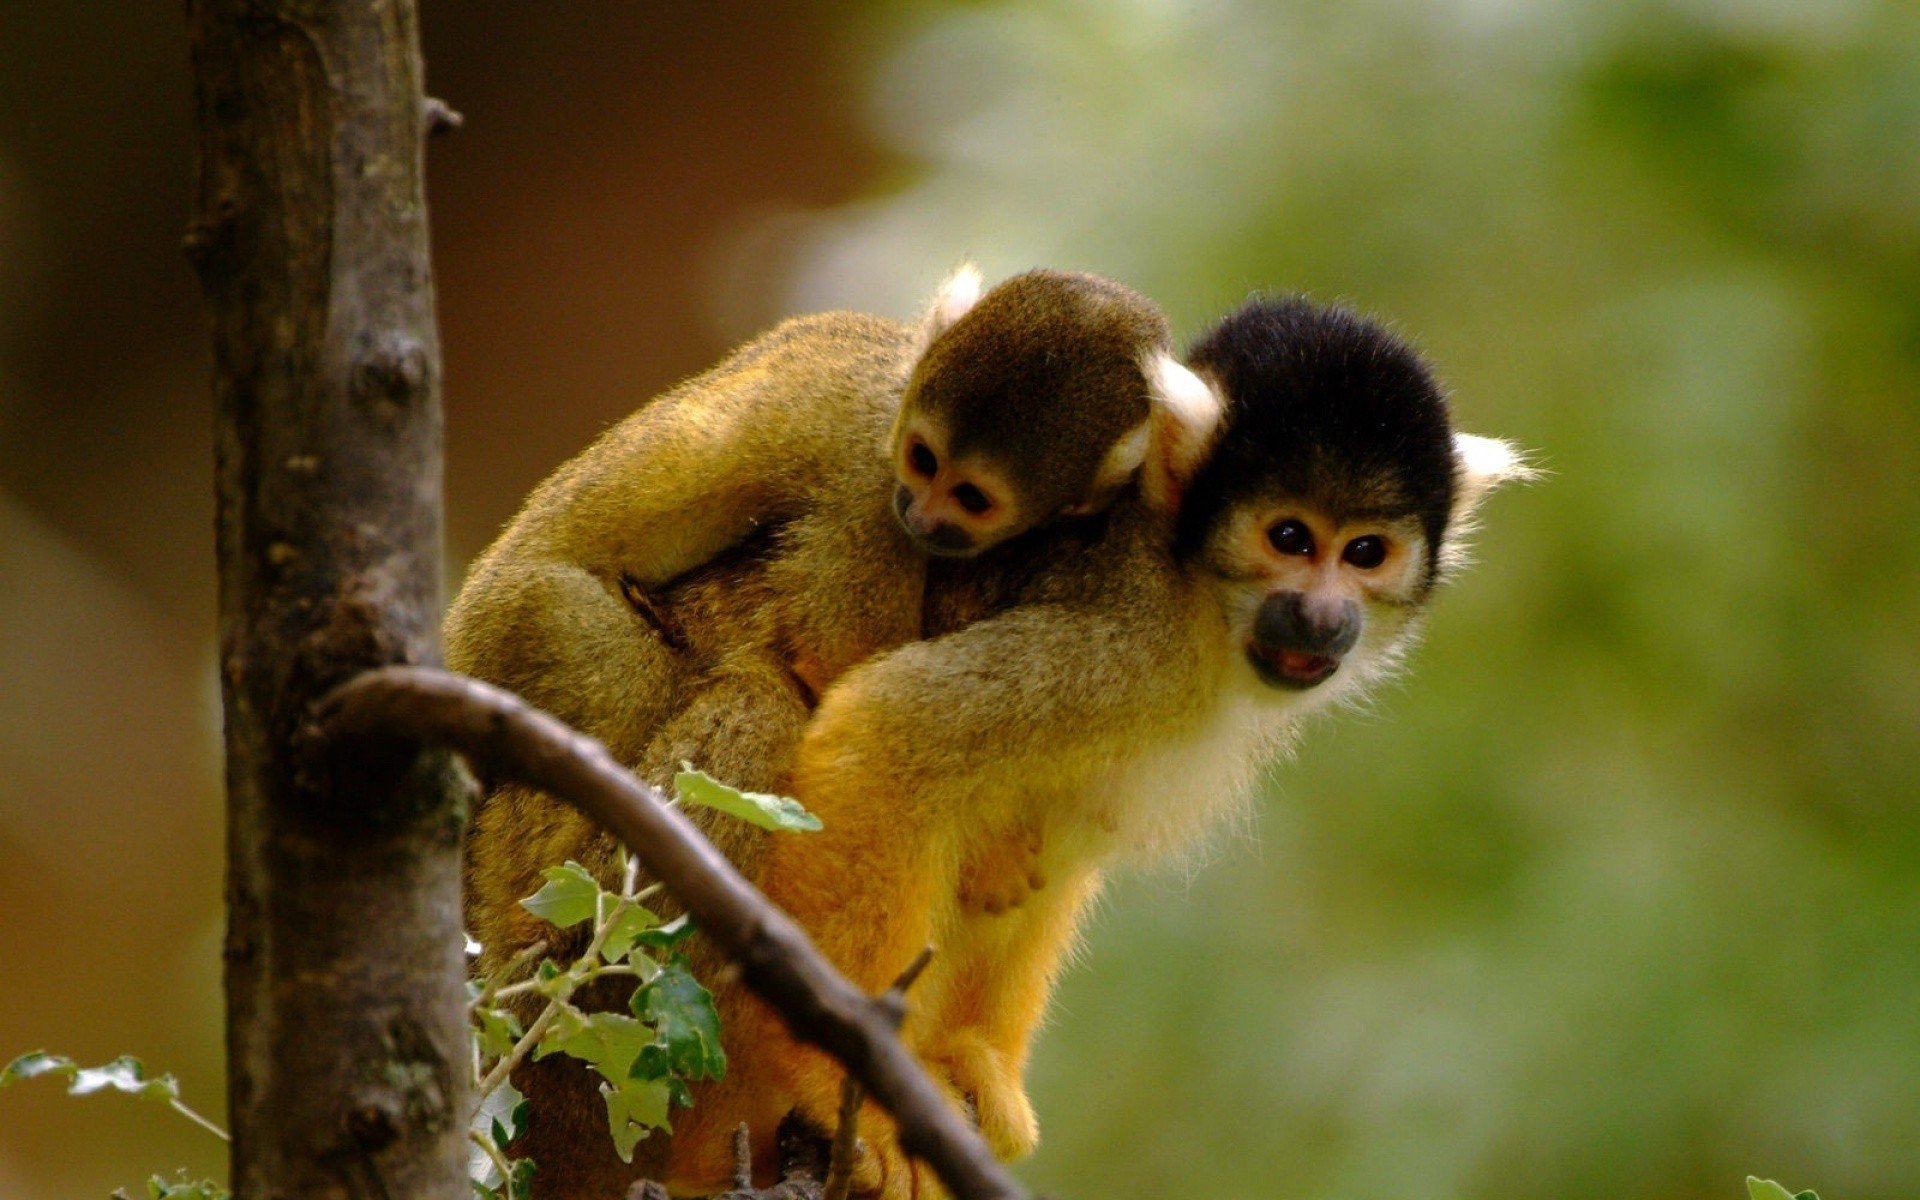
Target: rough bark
347, 1067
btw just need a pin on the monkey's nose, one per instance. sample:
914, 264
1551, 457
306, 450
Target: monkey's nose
1322, 626
932, 534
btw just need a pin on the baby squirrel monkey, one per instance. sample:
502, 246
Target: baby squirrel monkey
1293, 520
686, 587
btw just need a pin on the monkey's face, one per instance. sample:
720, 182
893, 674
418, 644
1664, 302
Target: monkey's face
1312, 597
951, 506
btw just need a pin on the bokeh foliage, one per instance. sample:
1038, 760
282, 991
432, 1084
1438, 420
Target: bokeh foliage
1619, 894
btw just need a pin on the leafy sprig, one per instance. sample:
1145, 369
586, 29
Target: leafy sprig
647, 1057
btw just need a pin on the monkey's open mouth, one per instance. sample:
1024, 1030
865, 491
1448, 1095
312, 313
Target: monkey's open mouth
1281, 667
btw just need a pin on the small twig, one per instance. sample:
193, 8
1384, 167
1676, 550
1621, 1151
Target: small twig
584, 976
846, 1139
438, 116
742, 1158
500, 1162
518, 1054
512, 967
180, 1107
394, 707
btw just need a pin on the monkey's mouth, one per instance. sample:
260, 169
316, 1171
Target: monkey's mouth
1281, 667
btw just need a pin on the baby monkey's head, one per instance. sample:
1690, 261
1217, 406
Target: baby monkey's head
1029, 402
1335, 493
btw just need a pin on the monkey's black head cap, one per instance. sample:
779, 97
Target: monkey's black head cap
1324, 407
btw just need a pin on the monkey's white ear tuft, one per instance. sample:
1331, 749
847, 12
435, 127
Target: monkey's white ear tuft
959, 293
1185, 417
1125, 456
1481, 464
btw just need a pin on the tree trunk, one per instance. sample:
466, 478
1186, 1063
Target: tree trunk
347, 1051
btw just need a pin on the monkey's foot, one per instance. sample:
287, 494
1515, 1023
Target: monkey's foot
999, 876
882, 1170
989, 1083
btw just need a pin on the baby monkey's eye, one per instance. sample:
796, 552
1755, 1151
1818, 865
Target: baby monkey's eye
1365, 552
1291, 537
972, 498
922, 459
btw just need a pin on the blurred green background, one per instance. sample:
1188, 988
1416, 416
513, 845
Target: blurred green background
1618, 895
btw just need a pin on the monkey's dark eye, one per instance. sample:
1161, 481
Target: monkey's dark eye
972, 498
1291, 537
1365, 552
922, 459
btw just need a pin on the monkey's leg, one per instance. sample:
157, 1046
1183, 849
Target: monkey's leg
1002, 873
866, 889
569, 641
982, 1033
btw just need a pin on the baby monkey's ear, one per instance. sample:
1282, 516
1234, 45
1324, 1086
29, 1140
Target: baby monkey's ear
1185, 418
1481, 464
961, 291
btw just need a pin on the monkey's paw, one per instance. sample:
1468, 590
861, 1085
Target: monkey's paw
999, 876
990, 1085
882, 1170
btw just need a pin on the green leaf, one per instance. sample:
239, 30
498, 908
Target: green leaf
683, 1013
633, 921
569, 896
1766, 1189
124, 1074
634, 1110
1809, 1194
756, 808
521, 1185
609, 1042
497, 1030
33, 1063
666, 937
185, 1189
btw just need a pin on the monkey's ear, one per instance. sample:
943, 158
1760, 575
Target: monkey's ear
1116, 467
1481, 464
1185, 418
960, 292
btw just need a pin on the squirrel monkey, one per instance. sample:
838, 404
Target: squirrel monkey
1293, 519
686, 587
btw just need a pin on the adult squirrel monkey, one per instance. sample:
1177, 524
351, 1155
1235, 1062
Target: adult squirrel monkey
686, 587
1294, 517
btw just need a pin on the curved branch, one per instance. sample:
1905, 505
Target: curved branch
393, 707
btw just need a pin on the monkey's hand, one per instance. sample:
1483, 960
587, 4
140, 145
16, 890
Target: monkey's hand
1001, 874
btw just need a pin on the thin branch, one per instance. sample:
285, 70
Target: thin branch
393, 706
846, 1139
521, 1049
179, 1106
